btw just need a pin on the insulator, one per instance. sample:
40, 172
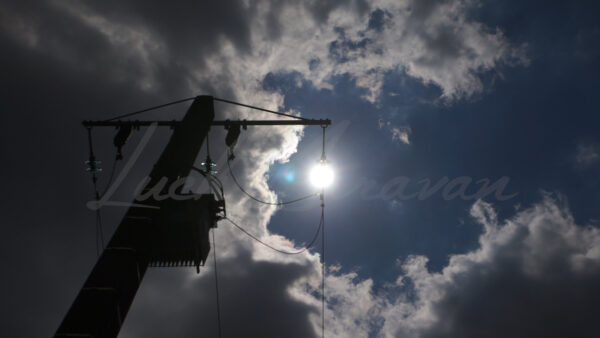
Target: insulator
93, 166
233, 134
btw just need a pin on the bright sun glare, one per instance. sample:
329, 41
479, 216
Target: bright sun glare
321, 175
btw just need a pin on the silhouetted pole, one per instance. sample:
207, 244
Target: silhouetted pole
148, 236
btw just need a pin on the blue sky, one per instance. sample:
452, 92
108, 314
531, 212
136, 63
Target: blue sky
416, 90
526, 126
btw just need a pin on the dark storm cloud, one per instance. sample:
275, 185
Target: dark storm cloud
191, 29
70, 61
132, 42
254, 296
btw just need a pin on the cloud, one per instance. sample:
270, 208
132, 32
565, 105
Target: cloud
434, 41
587, 154
227, 48
533, 275
352, 307
255, 300
401, 134
239, 43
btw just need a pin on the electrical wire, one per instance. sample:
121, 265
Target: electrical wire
258, 108
259, 200
92, 163
192, 98
324, 160
99, 226
314, 239
208, 175
214, 178
212, 182
320, 229
216, 283
113, 169
323, 264
100, 231
149, 109
208, 145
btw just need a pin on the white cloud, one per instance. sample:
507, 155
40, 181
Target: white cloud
401, 134
352, 306
534, 274
433, 41
587, 154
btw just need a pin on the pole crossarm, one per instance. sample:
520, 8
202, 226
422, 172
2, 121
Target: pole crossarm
226, 123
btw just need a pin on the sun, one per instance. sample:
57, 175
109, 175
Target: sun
321, 175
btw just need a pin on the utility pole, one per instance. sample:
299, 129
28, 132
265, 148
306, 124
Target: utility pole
173, 233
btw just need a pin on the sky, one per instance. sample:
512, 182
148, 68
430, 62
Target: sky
464, 141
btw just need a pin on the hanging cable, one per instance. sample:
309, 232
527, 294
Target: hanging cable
93, 168
258, 108
208, 144
97, 227
216, 283
261, 201
314, 239
324, 160
209, 165
231, 157
214, 183
113, 169
100, 230
323, 264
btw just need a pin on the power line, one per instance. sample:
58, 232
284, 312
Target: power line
192, 98
216, 283
208, 173
149, 109
259, 200
99, 226
93, 169
99, 232
111, 176
258, 108
214, 181
279, 250
320, 229
323, 264
324, 160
